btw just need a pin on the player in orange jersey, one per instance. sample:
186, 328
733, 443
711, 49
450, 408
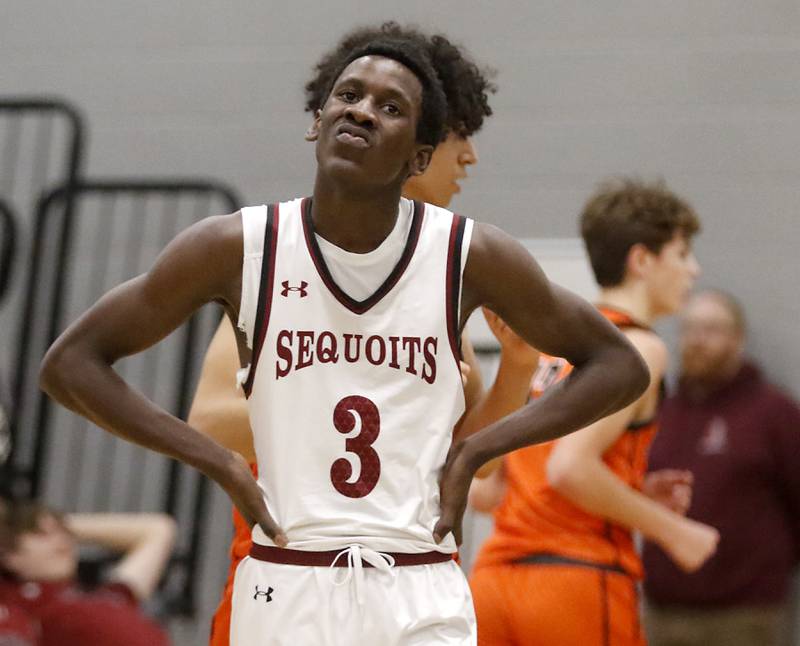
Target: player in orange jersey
561, 568
219, 408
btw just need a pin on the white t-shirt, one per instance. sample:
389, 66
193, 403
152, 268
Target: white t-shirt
359, 275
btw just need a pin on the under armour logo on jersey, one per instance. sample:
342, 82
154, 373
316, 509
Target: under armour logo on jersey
267, 594
302, 288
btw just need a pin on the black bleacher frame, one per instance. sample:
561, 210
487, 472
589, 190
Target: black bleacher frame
8, 246
20, 106
28, 478
17, 108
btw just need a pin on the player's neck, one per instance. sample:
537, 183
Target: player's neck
355, 221
631, 299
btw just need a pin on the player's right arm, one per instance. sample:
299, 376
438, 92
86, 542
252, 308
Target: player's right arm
577, 471
219, 409
200, 265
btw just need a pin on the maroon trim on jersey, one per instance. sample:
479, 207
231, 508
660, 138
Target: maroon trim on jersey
335, 558
359, 307
264, 292
453, 287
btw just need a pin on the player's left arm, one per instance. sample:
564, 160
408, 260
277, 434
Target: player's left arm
608, 372
577, 471
576, 468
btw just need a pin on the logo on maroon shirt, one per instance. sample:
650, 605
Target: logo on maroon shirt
301, 288
715, 438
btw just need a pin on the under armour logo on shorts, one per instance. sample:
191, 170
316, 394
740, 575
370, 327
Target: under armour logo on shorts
302, 288
267, 594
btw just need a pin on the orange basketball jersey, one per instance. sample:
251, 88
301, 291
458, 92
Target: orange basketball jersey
535, 522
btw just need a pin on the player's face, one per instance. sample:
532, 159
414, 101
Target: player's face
670, 276
710, 339
47, 554
448, 166
366, 131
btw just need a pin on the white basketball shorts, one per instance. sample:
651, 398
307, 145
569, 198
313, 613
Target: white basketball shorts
277, 604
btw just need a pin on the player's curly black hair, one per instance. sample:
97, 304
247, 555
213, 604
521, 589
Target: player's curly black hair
466, 86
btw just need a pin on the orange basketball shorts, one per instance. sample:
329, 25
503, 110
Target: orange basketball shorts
555, 605
221, 622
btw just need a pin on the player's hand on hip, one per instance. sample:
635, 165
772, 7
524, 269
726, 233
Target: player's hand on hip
454, 490
245, 493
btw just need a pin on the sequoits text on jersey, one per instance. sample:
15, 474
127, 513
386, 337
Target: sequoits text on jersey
298, 349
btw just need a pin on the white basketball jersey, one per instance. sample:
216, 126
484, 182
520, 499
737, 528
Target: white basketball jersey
352, 403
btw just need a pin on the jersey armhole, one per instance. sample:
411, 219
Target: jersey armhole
640, 423
460, 235
253, 222
246, 376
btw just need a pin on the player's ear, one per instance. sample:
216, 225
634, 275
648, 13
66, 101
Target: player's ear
639, 258
421, 160
313, 130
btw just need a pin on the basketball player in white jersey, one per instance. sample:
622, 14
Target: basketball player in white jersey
352, 401
220, 409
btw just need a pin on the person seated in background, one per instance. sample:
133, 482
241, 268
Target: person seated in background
41, 601
740, 437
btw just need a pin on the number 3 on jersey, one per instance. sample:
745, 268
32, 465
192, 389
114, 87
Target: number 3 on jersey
351, 412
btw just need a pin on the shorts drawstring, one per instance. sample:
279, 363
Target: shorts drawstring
355, 555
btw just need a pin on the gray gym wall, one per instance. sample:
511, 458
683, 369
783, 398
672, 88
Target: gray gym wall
705, 94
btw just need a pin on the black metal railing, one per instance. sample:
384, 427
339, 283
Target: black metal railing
112, 232
42, 144
8, 246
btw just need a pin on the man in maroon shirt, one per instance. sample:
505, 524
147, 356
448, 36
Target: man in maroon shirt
740, 437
